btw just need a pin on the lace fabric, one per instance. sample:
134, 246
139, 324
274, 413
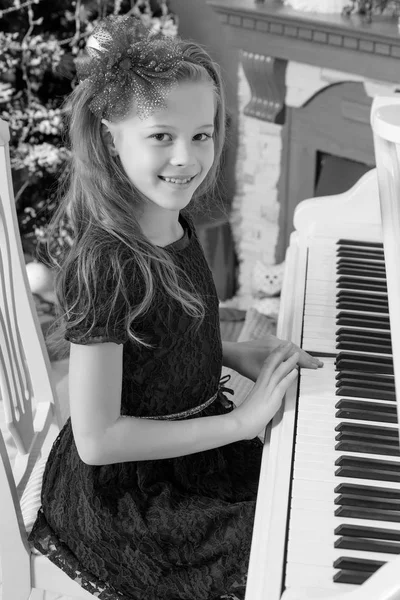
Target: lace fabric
171, 529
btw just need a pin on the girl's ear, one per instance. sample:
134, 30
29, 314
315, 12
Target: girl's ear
108, 137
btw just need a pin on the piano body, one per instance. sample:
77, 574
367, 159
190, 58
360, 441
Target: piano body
327, 521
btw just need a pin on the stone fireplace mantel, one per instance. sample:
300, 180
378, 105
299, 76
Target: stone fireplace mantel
327, 41
305, 87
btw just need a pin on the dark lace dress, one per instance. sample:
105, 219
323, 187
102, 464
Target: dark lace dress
168, 529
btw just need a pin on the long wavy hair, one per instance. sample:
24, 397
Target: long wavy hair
96, 199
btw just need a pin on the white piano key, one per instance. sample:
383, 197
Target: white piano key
299, 575
303, 488
324, 555
307, 520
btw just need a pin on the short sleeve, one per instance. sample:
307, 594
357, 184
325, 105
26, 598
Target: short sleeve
101, 323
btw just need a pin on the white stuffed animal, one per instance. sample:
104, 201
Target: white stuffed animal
266, 287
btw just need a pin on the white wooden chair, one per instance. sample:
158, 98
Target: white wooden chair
33, 414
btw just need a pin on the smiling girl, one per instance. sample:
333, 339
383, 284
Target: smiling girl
149, 491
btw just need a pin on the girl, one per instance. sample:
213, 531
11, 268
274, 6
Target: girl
149, 491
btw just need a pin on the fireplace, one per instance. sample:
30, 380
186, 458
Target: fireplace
306, 84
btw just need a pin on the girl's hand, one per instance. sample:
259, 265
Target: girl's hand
250, 356
277, 374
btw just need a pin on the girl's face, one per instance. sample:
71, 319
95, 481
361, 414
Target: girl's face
168, 154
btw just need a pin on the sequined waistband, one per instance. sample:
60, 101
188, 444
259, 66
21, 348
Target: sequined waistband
197, 409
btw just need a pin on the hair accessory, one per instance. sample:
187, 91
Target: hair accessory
125, 61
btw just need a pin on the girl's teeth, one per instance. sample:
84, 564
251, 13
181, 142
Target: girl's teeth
171, 180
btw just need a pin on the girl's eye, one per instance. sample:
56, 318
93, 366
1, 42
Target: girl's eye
205, 137
160, 137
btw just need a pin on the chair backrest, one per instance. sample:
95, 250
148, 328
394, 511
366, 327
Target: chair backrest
24, 363
27, 392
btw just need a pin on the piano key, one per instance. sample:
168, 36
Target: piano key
360, 392
364, 383
367, 264
358, 564
374, 438
360, 362
309, 577
315, 485
370, 491
371, 430
361, 414
346, 242
367, 447
352, 332
367, 545
368, 513
365, 472
355, 319
367, 502
381, 533
367, 306
365, 376
356, 577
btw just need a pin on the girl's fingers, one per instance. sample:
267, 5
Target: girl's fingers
290, 364
285, 382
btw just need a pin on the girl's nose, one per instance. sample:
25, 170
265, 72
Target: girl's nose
182, 154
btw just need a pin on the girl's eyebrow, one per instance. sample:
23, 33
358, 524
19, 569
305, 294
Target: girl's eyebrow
172, 127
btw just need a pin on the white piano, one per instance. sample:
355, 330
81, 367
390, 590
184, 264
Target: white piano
327, 521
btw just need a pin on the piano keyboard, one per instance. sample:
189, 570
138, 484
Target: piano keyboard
346, 288
345, 496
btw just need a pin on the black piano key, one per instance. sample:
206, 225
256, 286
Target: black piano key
357, 333
361, 468
365, 379
368, 545
366, 531
374, 438
368, 383
359, 392
361, 298
362, 362
362, 320
361, 265
367, 448
365, 342
358, 262
368, 502
369, 273
360, 253
368, 491
378, 297
367, 406
365, 376
353, 512
365, 473
358, 564
360, 415
353, 577
351, 283
360, 247
363, 251
373, 463
373, 431
364, 347
343, 242
364, 306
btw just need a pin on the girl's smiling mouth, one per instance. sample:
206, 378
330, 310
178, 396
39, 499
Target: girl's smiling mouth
177, 180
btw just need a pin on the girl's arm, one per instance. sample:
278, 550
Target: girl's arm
229, 355
103, 437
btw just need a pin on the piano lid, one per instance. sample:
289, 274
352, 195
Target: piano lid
385, 121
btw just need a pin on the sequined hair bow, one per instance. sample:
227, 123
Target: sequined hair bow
125, 61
